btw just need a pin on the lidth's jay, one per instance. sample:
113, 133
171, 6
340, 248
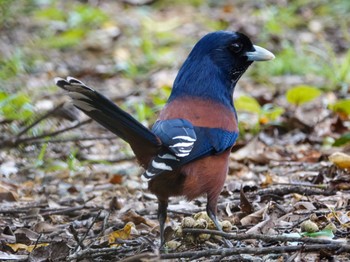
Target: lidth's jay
186, 153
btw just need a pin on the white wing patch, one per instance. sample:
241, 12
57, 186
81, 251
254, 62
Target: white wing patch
186, 138
182, 146
161, 165
178, 137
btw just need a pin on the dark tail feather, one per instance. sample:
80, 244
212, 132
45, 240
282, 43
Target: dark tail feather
108, 114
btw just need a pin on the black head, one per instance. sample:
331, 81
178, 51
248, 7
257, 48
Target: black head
231, 52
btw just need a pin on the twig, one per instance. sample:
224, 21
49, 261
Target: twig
13, 142
25, 209
87, 231
282, 191
37, 241
74, 139
37, 121
148, 256
224, 252
61, 211
50, 134
96, 252
76, 237
266, 238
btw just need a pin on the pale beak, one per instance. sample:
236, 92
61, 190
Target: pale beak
260, 54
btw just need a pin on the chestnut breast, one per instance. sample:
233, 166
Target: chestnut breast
206, 175
201, 112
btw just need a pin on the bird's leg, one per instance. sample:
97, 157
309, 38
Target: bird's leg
211, 211
162, 215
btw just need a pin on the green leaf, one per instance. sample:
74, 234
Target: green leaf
342, 106
302, 94
16, 107
66, 39
272, 112
50, 14
86, 16
323, 233
40, 160
344, 139
247, 104
3, 95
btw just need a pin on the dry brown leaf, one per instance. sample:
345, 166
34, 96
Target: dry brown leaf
271, 213
268, 180
123, 233
304, 205
18, 246
30, 234
256, 151
253, 218
245, 205
8, 196
340, 159
116, 179
132, 216
8, 192
44, 227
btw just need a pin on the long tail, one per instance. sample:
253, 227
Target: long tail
144, 143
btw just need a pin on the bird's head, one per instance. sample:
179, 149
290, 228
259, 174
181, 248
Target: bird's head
215, 64
231, 52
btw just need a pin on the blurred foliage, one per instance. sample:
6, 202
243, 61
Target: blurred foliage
16, 106
71, 26
264, 114
299, 95
341, 106
12, 66
344, 139
46, 38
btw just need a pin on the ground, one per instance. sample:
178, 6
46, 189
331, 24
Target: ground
71, 191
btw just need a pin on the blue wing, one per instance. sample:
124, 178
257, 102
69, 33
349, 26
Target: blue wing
185, 143
178, 135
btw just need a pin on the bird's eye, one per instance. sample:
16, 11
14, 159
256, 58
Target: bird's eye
236, 47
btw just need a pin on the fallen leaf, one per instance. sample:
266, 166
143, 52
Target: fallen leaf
132, 216
245, 205
325, 233
253, 218
116, 179
123, 233
268, 180
271, 213
256, 151
29, 248
304, 205
44, 227
56, 251
340, 159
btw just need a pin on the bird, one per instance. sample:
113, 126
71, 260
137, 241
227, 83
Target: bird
186, 152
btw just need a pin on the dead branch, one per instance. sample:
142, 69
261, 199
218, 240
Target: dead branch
38, 120
225, 252
81, 240
97, 252
74, 139
60, 211
302, 190
13, 142
76, 237
266, 238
